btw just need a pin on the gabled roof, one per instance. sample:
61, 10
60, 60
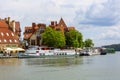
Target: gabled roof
6, 35
62, 23
28, 34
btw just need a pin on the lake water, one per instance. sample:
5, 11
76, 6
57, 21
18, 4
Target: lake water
99, 67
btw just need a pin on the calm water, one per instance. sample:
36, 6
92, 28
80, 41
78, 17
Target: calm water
100, 67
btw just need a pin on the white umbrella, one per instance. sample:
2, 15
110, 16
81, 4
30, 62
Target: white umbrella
19, 49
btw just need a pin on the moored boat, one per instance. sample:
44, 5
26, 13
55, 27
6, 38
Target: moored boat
43, 52
103, 51
89, 52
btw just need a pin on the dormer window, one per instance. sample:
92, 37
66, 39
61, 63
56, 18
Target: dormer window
2, 34
12, 34
7, 34
15, 41
5, 40
10, 40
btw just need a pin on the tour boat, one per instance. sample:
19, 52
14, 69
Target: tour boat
43, 52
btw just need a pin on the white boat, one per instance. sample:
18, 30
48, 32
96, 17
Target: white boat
89, 52
42, 52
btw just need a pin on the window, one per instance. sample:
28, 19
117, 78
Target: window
7, 34
32, 42
10, 40
12, 34
0, 40
41, 28
5, 40
15, 40
2, 34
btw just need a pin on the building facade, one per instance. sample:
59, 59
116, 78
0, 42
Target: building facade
32, 34
9, 33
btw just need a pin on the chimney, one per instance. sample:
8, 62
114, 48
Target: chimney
8, 20
55, 23
52, 23
5, 19
33, 26
13, 25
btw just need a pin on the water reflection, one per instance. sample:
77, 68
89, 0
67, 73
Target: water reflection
60, 61
10, 61
63, 61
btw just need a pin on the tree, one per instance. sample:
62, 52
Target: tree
74, 39
88, 43
53, 38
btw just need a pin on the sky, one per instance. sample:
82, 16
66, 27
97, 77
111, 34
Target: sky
98, 20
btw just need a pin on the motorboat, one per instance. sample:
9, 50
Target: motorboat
89, 52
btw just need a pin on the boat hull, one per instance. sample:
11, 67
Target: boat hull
46, 53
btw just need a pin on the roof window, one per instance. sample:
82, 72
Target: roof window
5, 40
15, 40
2, 34
12, 34
10, 40
7, 34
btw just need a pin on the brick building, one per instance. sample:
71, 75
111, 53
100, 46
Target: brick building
32, 34
60, 26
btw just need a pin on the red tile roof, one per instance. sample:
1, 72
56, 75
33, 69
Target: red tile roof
27, 35
3, 23
8, 37
28, 27
29, 30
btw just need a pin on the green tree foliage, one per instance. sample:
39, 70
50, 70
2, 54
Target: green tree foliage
74, 39
53, 38
88, 43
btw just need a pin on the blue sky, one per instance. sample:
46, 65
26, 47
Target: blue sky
96, 19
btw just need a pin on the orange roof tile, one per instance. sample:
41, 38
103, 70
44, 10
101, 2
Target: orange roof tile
26, 28
3, 23
27, 35
8, 37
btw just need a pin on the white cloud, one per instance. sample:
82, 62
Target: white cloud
100, 14
96, 19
